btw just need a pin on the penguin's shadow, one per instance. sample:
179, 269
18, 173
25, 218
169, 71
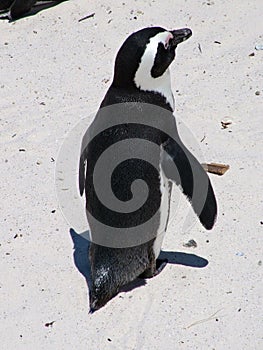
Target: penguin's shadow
38, 7
80, 254
186, 259
81, 247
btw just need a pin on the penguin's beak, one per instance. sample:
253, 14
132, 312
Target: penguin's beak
180, 35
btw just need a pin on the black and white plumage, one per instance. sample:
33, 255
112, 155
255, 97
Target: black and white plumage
20, 8
17, 8
141, 78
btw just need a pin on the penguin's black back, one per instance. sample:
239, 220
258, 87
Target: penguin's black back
131, 169
133, 94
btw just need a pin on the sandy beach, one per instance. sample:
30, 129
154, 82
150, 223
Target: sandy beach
54, 72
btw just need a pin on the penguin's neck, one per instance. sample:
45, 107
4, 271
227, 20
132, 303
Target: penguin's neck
162, 85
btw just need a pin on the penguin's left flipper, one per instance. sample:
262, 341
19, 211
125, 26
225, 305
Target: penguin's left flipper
154, 270
180, 166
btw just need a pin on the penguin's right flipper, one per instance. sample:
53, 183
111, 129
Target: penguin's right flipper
180, 166
83, 160
82, 170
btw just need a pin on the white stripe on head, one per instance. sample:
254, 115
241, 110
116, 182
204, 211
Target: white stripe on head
143, 78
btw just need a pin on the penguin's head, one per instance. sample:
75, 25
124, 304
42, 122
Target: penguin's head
145, 56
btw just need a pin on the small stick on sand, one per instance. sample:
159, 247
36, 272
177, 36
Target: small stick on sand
215, 168
86, 17
203, 138
212, 317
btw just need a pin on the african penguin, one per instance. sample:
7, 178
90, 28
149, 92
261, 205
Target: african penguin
19, 8
143, 105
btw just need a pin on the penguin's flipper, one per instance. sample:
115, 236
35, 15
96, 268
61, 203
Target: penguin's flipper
180, 166
83, 160
82, 170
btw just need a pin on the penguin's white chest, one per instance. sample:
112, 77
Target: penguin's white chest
161, 85
164, 213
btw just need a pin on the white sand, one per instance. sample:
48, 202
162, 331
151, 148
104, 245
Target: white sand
52, 59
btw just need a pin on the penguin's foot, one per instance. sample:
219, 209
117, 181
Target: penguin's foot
160, 265
155, 270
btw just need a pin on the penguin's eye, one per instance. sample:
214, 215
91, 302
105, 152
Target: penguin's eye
166, 45
168, 41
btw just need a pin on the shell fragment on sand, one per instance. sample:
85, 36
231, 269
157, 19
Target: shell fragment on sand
215, 168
